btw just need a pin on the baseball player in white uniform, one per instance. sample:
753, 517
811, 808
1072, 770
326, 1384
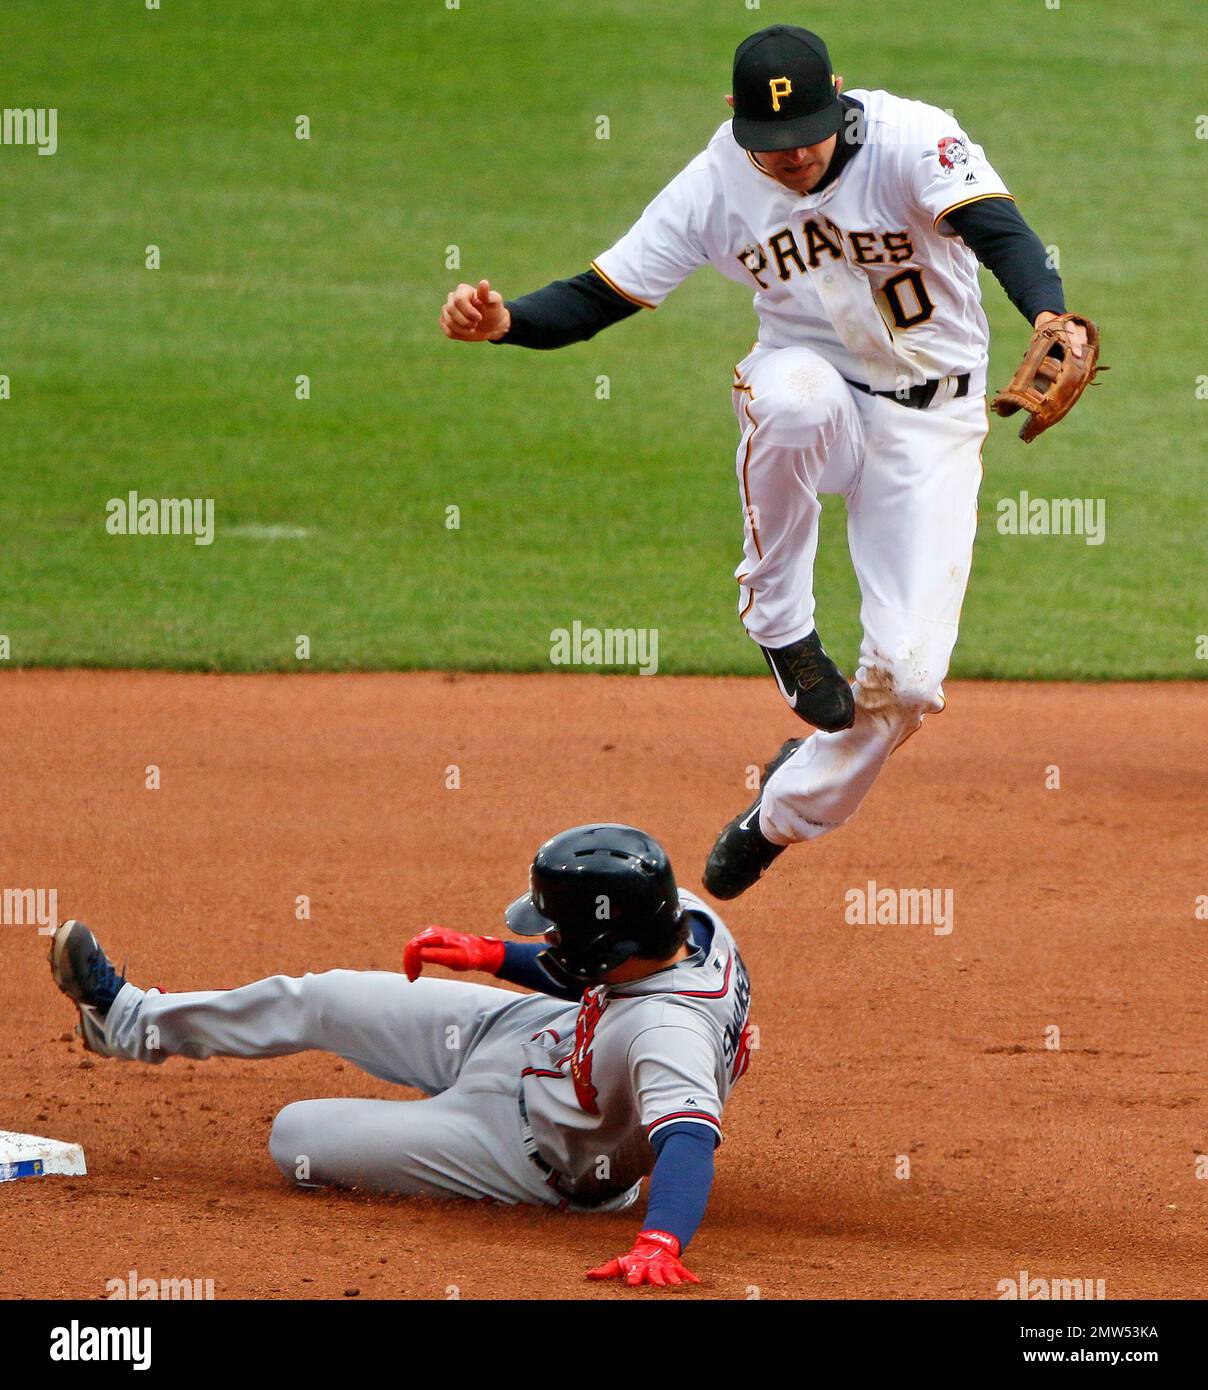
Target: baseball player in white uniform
858, 221
617, 1068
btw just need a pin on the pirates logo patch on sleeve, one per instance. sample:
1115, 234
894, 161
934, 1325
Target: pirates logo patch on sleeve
953, 151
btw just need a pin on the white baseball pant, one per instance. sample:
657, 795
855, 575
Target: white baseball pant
910, 479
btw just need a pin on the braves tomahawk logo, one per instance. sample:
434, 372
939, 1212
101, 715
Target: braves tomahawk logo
590, 1011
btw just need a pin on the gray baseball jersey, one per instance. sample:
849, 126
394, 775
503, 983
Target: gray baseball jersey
601, 1081
530, 1098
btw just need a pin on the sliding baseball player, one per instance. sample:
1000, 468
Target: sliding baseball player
615, 1069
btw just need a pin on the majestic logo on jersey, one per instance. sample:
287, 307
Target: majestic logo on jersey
953, 151
590, 1011
781, 87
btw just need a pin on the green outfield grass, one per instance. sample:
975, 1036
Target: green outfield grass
476, 128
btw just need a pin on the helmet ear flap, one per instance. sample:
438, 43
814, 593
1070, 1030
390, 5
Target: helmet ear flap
554, 968
580, 965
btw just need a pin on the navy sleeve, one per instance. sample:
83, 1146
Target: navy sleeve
994, 230
564, 312
681, 1181
521, 967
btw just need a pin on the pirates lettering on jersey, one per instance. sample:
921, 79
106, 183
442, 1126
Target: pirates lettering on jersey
862, 248
825, 239
898, 246
594, 1003
785, 249
817, 241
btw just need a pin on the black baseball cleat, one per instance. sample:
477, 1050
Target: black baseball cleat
742, 853
812, 685
85, 974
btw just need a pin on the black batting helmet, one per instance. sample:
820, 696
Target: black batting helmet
599, 894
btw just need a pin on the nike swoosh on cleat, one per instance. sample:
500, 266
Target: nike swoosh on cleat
745, 823
792, 704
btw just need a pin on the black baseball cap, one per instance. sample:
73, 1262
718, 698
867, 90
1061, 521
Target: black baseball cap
784, 90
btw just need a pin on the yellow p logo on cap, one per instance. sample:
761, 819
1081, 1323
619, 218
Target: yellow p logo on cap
781, 87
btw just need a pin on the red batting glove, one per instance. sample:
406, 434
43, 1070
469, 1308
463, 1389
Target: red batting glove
654, 1259
458, 950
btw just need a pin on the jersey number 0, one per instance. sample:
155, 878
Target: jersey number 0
917, 291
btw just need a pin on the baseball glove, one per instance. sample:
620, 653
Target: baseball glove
1049, 380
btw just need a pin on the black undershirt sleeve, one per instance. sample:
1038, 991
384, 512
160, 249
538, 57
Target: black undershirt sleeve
994, 230
564, 312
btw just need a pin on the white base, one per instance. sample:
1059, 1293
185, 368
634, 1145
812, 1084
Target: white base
28, 1156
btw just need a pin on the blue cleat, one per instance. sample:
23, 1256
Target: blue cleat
85, 974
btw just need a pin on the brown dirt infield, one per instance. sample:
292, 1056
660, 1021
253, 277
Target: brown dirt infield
1074, 907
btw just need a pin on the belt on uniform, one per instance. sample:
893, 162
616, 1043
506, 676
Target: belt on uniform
552, 1176
918, 397
529, 1144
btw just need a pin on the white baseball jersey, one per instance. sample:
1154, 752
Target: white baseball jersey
865, 272
637, 1058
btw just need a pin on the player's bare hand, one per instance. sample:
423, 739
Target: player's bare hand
1076, 331
455, 949
654, 1259
475, 314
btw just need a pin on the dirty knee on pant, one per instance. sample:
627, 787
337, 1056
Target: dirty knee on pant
805, 409
802, 437
792, 399
823, 784
902, 691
